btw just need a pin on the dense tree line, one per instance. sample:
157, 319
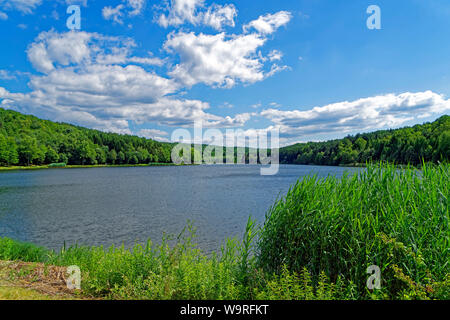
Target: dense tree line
27, 140
429, 142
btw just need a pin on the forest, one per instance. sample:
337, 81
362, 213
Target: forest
27, 140
429, 142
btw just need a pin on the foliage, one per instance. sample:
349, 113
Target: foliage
178, 271
27, 140
14, 250
429, 142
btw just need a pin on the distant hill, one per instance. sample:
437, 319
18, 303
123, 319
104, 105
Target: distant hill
429, 141
26, 140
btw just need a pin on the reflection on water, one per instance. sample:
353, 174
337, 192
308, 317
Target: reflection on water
104, 206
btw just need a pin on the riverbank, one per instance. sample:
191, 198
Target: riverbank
34, 281
13, 168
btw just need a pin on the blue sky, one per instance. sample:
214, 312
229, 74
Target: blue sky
311, 69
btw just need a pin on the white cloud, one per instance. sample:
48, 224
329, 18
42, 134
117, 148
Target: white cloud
114, 13
81, 2
219, 16
6, 75
276, 69
269, 23
275, 55
52, 48
384, 111
131, 8
3, 16
220, 60
137, 6
195, 12
89, 79
152, 132
216, 60
24, 6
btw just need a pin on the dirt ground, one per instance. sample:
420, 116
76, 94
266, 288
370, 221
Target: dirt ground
34, 281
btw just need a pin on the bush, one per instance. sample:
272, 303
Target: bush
56, 165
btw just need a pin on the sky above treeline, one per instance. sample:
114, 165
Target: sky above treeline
314, 70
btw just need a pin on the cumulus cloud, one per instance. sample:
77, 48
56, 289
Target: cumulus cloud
219, 60
195, 12
52, 49
97, 81
3, 16
216, 60
384, 111
24, 6
269, 23
89, 79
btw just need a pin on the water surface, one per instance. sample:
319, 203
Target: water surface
104, 206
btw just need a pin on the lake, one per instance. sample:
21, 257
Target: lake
105, 206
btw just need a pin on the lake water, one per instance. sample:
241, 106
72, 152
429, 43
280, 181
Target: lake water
104, 206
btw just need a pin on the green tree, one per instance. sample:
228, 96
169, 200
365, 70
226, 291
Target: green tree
8, 151
51, 156
112, 156
121, 157
28, 150
361, 144
443, 150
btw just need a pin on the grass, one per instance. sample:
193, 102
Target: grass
179, 271
316, 243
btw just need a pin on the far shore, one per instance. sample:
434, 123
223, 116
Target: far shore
42, 167
34, 167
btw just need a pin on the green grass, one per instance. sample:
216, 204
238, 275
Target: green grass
395, 219
14, 250
177, 271
316, 243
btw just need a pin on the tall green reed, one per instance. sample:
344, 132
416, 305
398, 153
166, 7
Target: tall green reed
335, 225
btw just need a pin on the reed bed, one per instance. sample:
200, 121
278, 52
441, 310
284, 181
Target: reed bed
397, 219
